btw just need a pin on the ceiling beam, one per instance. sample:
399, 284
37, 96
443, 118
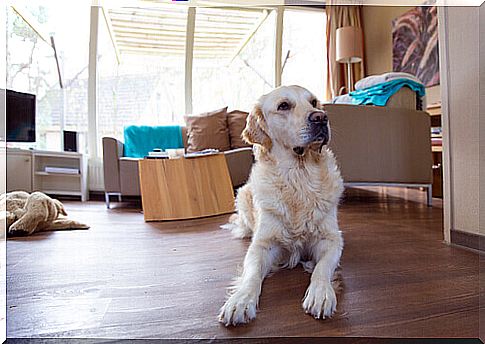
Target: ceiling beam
148, 13
250, 34
111, 34
181, 33
163, 37
170, 52
180, 23
212, 17
179, 41
181, 46
32, 23
168, 28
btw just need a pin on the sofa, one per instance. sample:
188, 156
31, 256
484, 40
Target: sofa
121, 173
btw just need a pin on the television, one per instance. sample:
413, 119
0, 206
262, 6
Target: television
20, 110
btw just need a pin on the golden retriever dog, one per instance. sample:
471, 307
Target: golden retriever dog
289, 205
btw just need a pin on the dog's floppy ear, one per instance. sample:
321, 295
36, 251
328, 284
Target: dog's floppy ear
60, 207
254, 132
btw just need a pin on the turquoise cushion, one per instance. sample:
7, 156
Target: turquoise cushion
139, 140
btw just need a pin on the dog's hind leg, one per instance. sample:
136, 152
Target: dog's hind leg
237, 227
242, 223
64, 224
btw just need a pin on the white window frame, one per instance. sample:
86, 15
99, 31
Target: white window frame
93, 83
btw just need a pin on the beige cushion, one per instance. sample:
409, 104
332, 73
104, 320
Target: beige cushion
236, 121
208, 130
405, 98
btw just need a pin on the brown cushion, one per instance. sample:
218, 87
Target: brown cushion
236, 121
208, 130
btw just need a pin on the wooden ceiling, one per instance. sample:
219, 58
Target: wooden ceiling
161, 30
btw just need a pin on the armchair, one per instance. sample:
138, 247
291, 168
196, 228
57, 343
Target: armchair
382, 145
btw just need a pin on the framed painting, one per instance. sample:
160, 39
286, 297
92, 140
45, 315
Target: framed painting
415, 44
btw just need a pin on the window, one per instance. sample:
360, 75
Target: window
304, 56
32, 68
147, 86
141, 62
223, 73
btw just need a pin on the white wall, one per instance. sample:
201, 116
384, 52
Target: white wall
3, 261
482, 150
3, 176
462, 116
482, 122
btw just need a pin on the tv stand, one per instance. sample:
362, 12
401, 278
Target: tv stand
26, 171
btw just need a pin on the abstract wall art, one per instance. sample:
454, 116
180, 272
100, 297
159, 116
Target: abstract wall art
415, 44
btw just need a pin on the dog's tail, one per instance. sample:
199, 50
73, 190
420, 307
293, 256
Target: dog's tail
238, 229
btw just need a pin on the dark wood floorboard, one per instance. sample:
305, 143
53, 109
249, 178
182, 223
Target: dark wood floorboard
125, 278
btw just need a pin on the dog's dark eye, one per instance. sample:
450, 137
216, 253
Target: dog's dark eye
314, 103
283, 106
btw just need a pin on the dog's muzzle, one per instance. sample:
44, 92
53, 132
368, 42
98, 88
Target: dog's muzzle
318, 127
318, 131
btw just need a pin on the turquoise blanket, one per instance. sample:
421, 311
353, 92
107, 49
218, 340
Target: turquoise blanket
379, 94
139, 140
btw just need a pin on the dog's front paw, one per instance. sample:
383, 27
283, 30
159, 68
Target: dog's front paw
240, 308
18, 231
320, 300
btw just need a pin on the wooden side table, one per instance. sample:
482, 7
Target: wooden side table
185, 188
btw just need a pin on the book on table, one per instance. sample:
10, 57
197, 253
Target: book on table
204, 152
63, 170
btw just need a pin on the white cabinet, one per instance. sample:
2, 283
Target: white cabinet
19, 170
31, 170
60, 183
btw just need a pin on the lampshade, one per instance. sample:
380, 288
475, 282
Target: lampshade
349, 44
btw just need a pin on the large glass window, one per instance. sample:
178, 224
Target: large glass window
32, 67
146, 85
143, 81
304, 56
223, 73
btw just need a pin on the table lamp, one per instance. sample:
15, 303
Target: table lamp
349, 49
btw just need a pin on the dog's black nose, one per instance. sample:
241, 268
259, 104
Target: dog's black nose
318, 117
299, 150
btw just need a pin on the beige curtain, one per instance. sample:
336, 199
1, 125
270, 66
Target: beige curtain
338, 16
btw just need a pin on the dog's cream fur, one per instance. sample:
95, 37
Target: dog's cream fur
288, 206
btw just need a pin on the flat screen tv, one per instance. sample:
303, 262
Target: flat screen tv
20, 108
